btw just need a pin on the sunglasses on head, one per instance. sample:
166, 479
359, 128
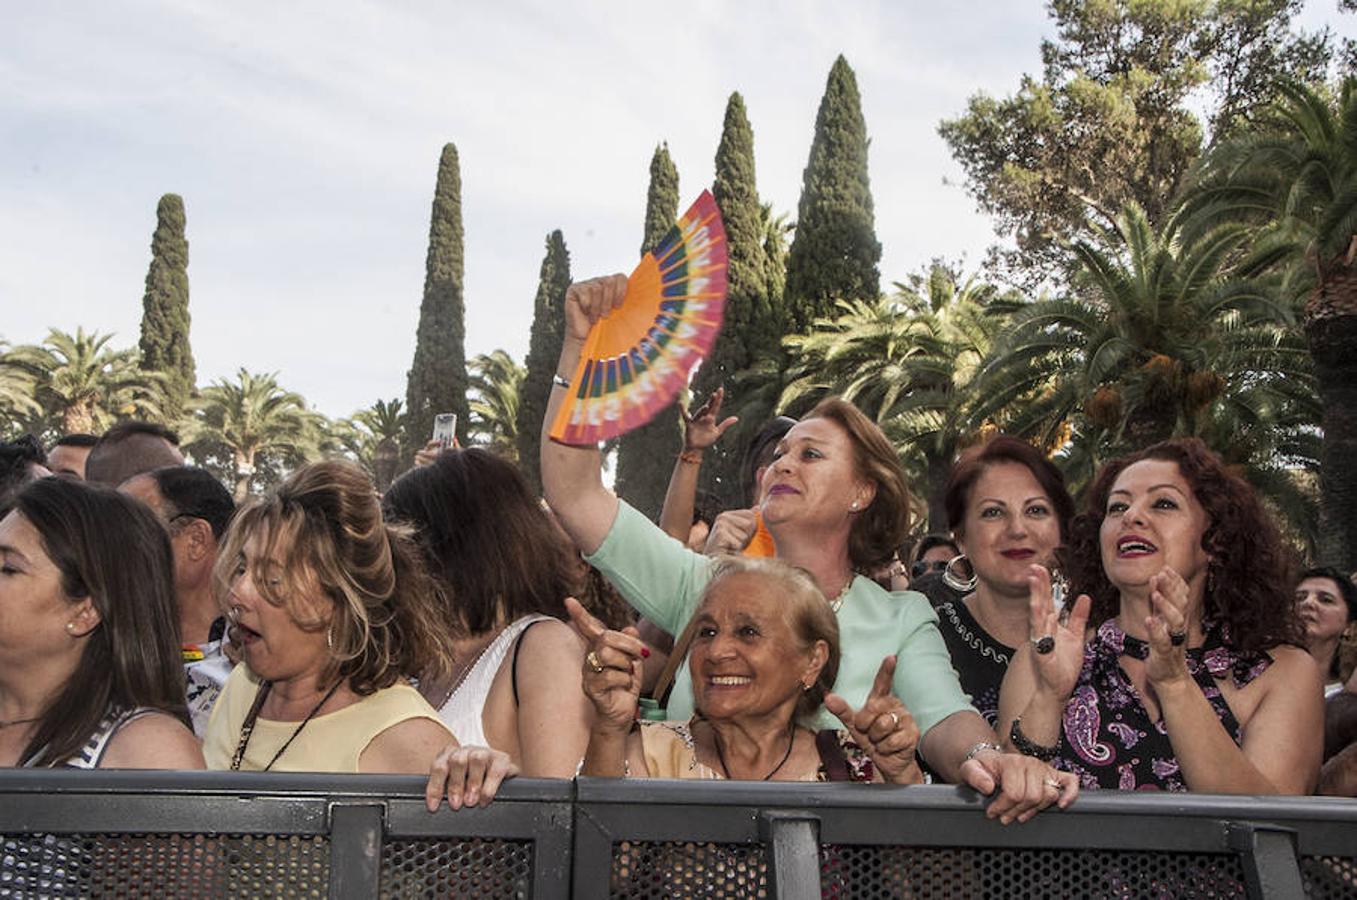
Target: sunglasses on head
923, 567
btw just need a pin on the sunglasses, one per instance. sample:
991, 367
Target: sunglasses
923, 567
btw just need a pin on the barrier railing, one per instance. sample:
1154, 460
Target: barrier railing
234, 834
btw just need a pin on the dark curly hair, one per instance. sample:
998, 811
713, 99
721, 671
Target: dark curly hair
1249, 581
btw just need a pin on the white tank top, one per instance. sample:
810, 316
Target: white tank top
463, 711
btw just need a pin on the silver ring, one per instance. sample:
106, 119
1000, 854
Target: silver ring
1178, 638
896, 720
1052, 783
1044, 644
234, 613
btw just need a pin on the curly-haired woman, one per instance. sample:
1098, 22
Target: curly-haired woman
1191, 675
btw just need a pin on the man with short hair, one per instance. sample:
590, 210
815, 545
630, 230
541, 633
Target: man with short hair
21, 461
130, 448
196, 508
67, 456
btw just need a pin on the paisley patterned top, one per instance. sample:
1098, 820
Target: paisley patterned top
1107, 737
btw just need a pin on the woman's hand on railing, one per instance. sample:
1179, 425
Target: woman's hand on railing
1022, 785
612, 669
468, 776
883, 728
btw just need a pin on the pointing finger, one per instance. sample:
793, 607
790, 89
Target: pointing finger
588, 627
885, 677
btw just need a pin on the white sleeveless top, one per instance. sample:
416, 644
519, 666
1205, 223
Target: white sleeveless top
463, 710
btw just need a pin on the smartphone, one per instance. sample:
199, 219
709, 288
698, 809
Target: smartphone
445, 429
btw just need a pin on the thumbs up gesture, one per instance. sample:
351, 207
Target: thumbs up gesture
612, 668
883, 728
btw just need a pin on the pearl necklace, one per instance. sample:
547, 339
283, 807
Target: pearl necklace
837, 603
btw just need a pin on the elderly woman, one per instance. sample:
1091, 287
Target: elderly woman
333, 613
834, 501
1008, 508
1190, 677
764, 657
89, 651
515, 684
1326, 601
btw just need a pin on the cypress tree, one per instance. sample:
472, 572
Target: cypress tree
835, 252
751, 331
645, 456
165, 317
437, 381
544, 350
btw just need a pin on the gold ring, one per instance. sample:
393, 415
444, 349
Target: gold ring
592, 660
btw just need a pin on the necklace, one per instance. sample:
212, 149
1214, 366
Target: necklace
837, 603
720, 754
462, 676
5, 723
247, 729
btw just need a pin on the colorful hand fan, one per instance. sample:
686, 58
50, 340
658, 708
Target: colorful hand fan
637, 358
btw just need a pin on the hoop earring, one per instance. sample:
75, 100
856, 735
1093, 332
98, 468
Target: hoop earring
330, 637
955, 581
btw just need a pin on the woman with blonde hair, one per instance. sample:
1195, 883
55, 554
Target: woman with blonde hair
333, 614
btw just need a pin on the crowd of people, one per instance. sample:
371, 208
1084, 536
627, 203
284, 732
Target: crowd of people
1156, 636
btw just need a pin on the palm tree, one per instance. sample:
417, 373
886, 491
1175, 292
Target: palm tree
372, 436
1296, 183
909, 361
84, 384
254, 423
1155, 337
495, 380
17, 399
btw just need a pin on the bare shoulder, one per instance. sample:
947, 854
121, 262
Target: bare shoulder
406, 747
552, 637
153, 741
1294, 670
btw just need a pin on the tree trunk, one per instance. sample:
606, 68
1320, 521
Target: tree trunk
384, 463
939, 470
1331, 329
78, 418
244, 472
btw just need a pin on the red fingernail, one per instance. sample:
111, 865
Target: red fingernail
645, 653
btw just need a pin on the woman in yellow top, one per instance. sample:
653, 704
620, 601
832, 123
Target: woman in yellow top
333, 613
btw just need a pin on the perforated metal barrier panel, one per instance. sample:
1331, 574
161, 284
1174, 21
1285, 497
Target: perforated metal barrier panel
139, 834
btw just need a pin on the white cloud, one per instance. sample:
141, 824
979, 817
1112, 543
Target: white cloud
305, 137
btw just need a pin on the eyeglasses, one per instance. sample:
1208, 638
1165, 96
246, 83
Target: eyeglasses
924, 566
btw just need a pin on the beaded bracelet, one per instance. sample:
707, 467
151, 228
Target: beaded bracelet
1027, 747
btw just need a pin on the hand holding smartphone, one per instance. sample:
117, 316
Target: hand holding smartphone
445, 429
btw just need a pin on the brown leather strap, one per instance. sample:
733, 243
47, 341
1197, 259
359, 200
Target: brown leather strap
665, 683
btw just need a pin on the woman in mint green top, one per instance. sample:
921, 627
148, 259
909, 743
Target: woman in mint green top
835, 502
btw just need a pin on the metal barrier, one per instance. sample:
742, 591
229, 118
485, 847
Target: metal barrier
234, 834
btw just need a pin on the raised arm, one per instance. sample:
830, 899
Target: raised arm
1283, 739
1038, 685
700, 431
571, 476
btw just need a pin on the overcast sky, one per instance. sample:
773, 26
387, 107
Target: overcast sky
304, 138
